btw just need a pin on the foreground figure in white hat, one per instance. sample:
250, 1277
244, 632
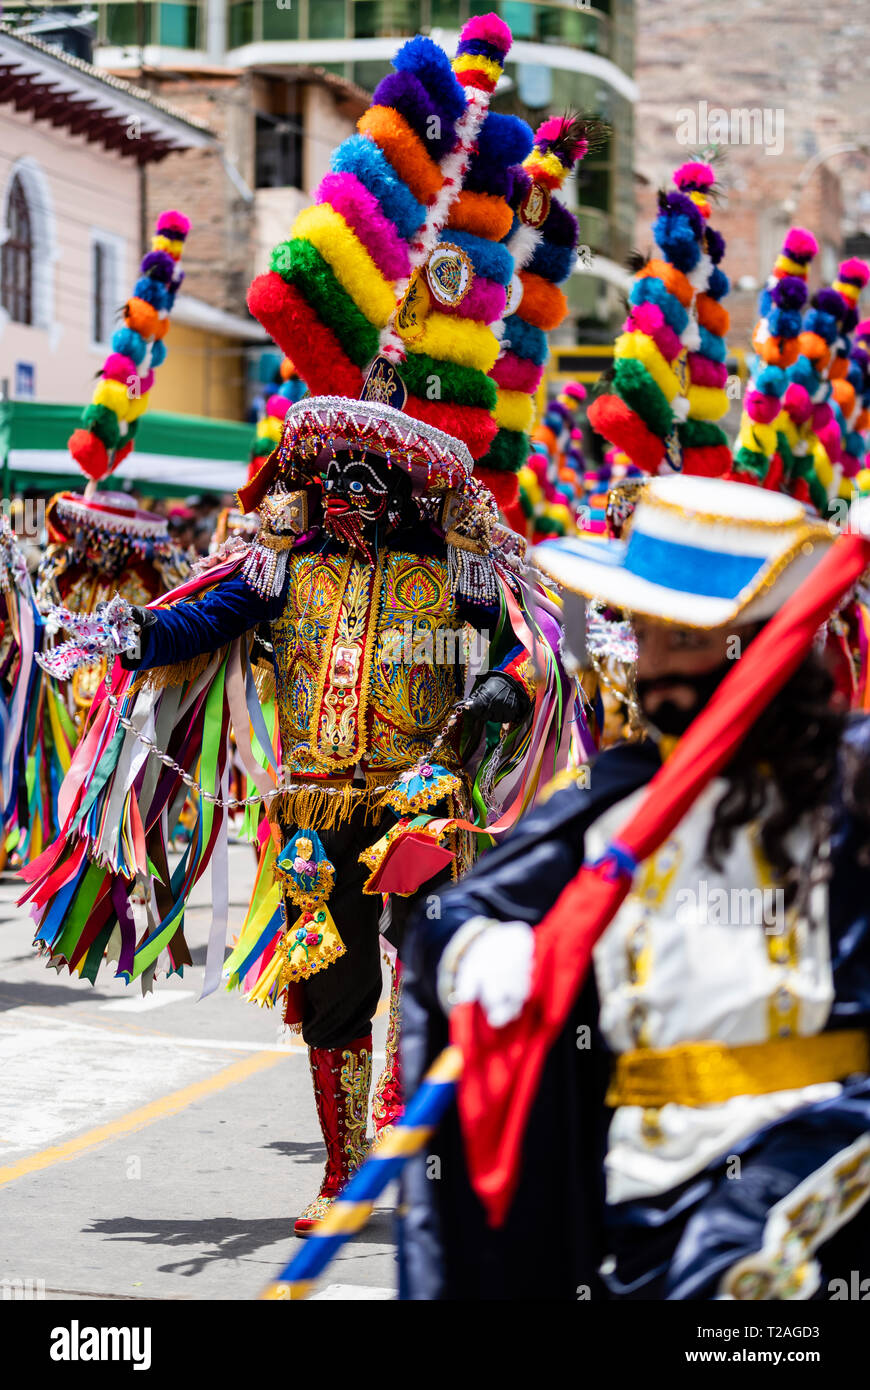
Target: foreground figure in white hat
702, 1128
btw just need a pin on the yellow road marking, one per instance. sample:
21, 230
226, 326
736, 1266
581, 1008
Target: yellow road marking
158, 1109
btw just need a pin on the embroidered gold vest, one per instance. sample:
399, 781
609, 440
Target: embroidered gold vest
363, 662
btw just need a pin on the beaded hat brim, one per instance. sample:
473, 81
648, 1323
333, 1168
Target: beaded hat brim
700, 553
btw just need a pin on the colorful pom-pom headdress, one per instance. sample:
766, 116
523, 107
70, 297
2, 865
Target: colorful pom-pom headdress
393, 292
109, 423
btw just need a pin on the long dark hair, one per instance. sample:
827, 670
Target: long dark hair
784, 770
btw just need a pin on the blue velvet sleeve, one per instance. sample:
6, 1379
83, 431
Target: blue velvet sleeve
189, 629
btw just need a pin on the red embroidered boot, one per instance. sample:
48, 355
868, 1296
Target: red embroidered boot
389, 1102
342, 1077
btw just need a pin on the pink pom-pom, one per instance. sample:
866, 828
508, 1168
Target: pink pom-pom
146, 382
549, 130
763, 409
694, 173
800, 243
490, 29
797, 402
117, 367
173, 221
575, 389
855, 270
863, 329
277, 406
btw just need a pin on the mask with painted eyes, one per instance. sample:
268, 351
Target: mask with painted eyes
363, 499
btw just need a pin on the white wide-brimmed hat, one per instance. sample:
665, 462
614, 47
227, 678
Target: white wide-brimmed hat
700, 552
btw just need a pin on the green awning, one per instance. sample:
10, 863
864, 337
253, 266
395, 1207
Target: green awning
174, 454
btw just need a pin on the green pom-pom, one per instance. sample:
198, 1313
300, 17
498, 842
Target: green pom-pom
459, 385
262, 446
701, 434
507, 452
301, 264
789, 462
638, 389
103, 422
745, 461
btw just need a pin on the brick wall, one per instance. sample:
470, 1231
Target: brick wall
808, 61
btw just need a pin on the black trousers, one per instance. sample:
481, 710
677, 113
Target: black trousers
340, 1001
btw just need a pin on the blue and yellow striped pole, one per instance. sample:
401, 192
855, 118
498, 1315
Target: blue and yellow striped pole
353, 1207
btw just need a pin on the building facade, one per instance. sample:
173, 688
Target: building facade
73, 147
283, 81
780, 89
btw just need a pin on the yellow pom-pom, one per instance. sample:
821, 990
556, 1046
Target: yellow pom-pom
138, 405
862, 480
271, 428
465, 341
757, 438
351, 263
514, 410
643, 349
114, 395
707, 403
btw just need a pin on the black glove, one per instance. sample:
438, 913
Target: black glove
143, 618
498, 698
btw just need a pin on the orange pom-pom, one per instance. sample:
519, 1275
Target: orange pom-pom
543, 304
776, 352
673, 280
815, 348
141, 317
482, 214
404, 149
712, 315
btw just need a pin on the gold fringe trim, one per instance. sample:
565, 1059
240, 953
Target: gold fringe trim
324, 806
292, 974
161, 677
264, 682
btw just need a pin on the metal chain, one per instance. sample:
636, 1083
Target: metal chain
232, 801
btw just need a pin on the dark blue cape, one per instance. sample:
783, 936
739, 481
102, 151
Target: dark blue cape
559, 1229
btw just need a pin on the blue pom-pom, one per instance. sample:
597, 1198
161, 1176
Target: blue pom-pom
428, 61
552, 262
772, 381
130, 343
158, 352
784, 323
817, 321
504, 140
361, 156
489, 258
524, 340
719, 285
711, 344
803, 373
677, 240
651, 290
152, 292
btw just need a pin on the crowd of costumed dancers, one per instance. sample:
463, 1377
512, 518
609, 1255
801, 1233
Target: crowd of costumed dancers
412, 492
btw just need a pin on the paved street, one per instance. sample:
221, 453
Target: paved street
158, 1147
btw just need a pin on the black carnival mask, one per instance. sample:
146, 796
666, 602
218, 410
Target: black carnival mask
362, 498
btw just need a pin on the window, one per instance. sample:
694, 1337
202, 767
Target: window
279, 151
106, 252
17, 262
